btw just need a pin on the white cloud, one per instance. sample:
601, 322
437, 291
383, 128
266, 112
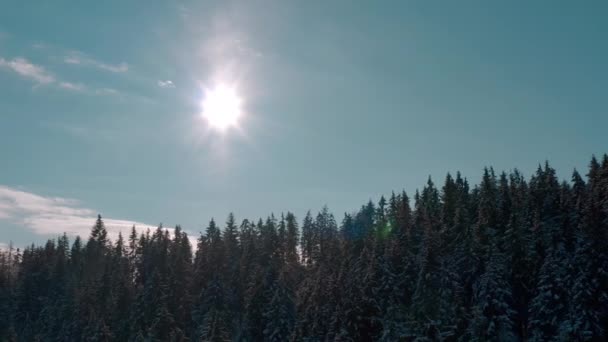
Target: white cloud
165, 84
122, 67
28, 70
79, 58
55, 215
41, 76
72, 60
72, 86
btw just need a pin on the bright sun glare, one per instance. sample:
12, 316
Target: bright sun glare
221, 107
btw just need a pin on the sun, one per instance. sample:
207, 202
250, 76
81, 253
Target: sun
221, 106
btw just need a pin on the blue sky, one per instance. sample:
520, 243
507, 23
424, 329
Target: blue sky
342, 102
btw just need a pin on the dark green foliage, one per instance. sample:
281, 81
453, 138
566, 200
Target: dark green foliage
505, 260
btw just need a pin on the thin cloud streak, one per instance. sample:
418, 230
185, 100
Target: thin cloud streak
72, 86
165, 84
79, 58
40, 75
28, 70
106, 91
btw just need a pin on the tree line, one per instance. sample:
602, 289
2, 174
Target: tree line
508, 259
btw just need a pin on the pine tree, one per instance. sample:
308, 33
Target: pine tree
179, 300
211, 317
280, 312
492, 312
308, 239
516, 243
549, 307
292, 238
487, 213
232, 272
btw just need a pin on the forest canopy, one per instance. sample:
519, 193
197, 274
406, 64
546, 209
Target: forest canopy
510, 259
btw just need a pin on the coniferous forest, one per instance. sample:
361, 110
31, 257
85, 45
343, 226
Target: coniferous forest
512, 258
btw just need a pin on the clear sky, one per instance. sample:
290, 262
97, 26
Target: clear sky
100, 104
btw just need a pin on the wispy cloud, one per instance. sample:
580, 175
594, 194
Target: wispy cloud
72, 86
41, 76
81, 88
79, 58
28, 70
54, 215
106, 91
165, 84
